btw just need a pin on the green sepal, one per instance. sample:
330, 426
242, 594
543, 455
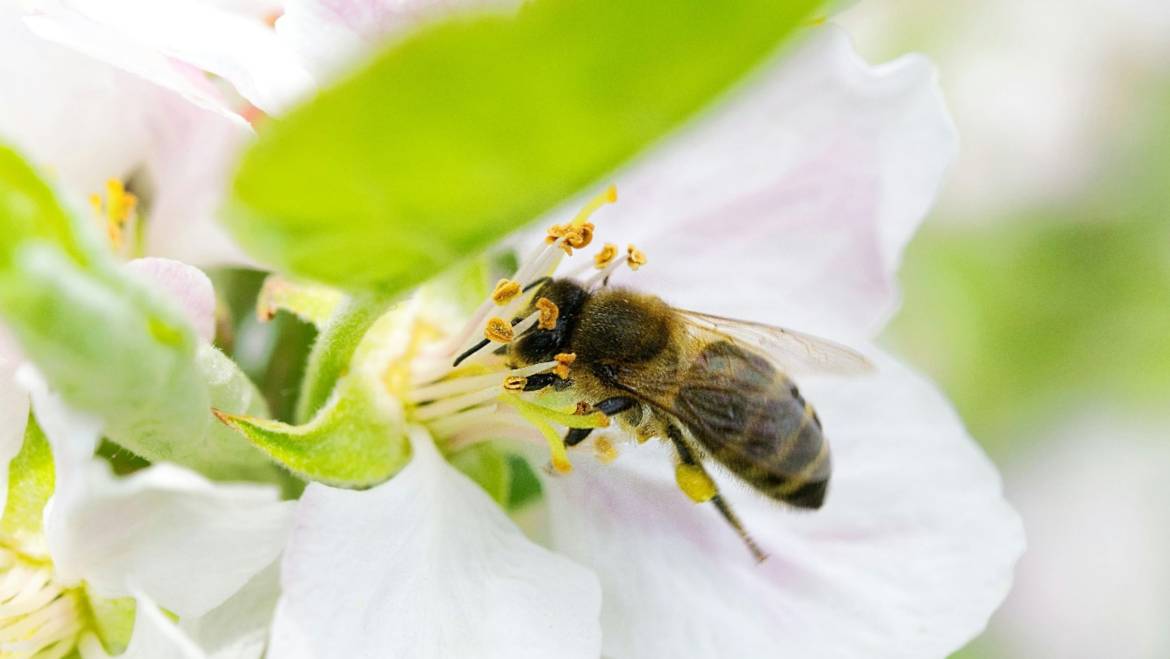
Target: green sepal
334, 348
487, 466
311, 303
31, 480
357, 440
473, 127
113, 619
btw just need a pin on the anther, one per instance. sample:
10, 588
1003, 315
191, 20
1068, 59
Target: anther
604, 450
564, 361
515, 383
580, 236
498, 330
548, 314
635, 258
506, 290
605, 256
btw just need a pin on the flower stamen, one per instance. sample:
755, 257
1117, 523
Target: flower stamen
548, 314
117, 209
506, 290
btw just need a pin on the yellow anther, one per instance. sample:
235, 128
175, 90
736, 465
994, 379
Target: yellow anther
604, 450
580, 235
506, 290
556, 232
498, 330
605, 256
117, 209
515, 382
564, 361
606, 196
694, 482
636, 258
548, 314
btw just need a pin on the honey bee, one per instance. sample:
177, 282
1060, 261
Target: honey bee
716, 388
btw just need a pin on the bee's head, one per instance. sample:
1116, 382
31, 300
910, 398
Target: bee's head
540, 344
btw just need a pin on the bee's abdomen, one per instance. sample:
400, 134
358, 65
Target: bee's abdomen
753, 420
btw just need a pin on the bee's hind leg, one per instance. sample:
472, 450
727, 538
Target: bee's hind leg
610, 407
697, 484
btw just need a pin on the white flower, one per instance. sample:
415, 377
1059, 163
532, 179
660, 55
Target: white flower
789, 205
162, 534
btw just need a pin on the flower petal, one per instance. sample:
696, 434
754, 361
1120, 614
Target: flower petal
187, 542
187, 286
330, 34
155, 636
426, 565
791, 204
173, 43
238, 628
911, 553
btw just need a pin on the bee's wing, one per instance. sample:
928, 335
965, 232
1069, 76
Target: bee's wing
791, 351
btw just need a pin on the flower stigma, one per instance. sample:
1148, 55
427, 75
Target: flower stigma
461, 386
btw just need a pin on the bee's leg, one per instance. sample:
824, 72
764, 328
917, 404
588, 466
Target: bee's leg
697, 484
610, 407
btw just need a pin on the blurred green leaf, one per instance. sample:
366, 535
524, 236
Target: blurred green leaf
474, 127
107, 343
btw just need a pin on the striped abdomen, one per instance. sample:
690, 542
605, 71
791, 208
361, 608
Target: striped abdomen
751, 418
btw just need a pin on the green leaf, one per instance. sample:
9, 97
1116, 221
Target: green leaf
472, 128
107, 343
31, 480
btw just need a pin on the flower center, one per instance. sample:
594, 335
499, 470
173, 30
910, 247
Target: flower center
39, 617
119, 210
462, 388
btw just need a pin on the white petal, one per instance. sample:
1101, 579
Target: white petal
13, 410
186, 286
426, 565
43, 118
186, 542
238, 628
156, 637
330, 35
911, 553
171, 43
791, 203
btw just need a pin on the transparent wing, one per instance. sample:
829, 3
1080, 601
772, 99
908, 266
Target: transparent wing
791, 351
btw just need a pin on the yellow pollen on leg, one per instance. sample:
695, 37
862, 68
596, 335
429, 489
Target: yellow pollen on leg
635, 258
498, 330
604, 450
564, 361
548, 314
506, 290
606, 256
694, 482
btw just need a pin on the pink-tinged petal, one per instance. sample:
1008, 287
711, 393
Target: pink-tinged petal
912, 551
329, 34
186, 286
173, 43
426, 565
185, 541
791, 203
